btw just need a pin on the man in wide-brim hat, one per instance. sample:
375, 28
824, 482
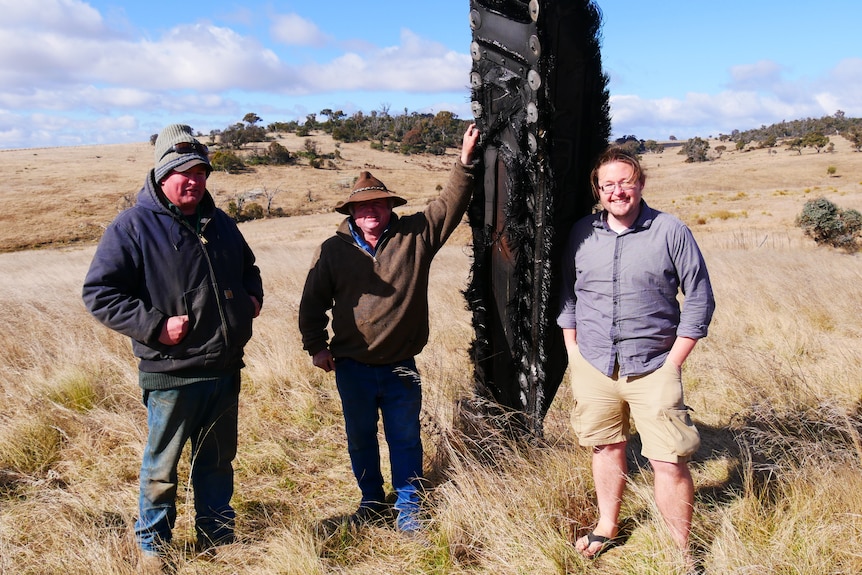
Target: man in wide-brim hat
367, 188
372, 275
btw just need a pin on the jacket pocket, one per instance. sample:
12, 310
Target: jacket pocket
205, 325
239, 313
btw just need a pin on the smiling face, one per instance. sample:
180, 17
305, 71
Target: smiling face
620, 194
372, 216
186, 189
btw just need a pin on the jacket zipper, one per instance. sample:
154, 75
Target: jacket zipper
203, 243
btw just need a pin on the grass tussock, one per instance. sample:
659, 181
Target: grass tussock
773, 389
30, 447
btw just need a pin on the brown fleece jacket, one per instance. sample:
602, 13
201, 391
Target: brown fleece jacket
380, 303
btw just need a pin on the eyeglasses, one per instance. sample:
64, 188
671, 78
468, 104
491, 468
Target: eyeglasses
187, 148
610, 187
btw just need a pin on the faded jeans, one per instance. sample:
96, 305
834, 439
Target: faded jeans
205, 413
396, 391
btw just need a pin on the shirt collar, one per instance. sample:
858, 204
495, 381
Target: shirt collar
645, 218
360, 241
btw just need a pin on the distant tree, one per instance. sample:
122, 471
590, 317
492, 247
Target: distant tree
311, 149
412, 142
251, 119
796, 145
333, 119
770, 141
653, 147
626, 138
719, 150
631, 146
270, 196
446, 129
287, 127
854, 136
816, 140
306, 127
239, 134
311, 152
695, 150
353, 129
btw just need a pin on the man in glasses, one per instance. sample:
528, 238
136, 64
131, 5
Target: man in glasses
372, 276
627, 339
175, 275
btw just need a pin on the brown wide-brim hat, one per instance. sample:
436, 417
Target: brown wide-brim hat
367, 188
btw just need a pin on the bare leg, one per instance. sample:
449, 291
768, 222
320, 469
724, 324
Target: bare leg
609, 476
674, 496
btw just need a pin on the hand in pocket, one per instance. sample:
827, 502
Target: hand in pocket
174, 329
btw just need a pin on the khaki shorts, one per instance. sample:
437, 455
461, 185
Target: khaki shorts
604, 405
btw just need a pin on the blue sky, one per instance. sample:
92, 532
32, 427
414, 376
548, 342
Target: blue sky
75, 72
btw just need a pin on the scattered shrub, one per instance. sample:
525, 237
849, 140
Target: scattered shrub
226, 161
828, 224
252, 211
275, 154
243, 212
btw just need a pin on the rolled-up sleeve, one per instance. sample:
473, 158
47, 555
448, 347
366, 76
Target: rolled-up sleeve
699, 303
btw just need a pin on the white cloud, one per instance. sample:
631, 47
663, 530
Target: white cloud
68, 75
294, 30
757, 75
758, 95
844, 82
57, 85
415, 65
69, 17
704, 114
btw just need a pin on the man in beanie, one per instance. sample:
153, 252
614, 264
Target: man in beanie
175, 275
373, 277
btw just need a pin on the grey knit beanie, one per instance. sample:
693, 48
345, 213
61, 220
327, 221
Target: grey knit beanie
177, 149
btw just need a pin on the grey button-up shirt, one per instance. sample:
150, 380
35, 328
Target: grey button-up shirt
619, 291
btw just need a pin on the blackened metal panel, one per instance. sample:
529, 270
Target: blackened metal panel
540, 99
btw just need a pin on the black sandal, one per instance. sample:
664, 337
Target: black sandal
606, 544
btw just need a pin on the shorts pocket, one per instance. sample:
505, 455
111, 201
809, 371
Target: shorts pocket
575, 419
685, 437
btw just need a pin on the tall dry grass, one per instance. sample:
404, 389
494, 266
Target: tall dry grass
775, 389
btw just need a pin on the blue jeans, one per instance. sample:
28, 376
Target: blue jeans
396, 391
205, 413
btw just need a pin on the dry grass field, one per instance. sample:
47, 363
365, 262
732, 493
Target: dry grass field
775, 389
